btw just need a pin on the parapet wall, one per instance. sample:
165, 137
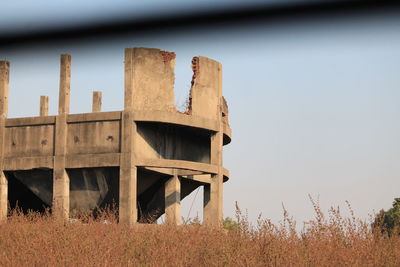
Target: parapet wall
149, 74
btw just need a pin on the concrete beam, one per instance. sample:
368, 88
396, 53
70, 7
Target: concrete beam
177, 164
202, 178
4, 81
61, 181
173, 200
44, 106
96, 103
30, 121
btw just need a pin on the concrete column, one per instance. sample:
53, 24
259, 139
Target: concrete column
96, 103
3, 196
4, 81
128, 171
173, 200
60, 177
65, 84
44, 105
213, 192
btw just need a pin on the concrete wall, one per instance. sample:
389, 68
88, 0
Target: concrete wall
206, 92
29, 141
152, 78
93, 137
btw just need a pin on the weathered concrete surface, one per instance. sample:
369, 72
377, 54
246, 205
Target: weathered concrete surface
173, 200
29, 141
93, 137
44, 106
149, 79
61, 190
128, 170
3, 196
213, 191
206, 89
145, 159
96, 103
4, 80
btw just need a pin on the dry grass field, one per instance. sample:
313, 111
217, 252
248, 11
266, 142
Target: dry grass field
328, 240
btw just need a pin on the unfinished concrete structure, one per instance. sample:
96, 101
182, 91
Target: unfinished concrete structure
145, 159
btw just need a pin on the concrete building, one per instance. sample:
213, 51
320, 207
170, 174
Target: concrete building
144, 159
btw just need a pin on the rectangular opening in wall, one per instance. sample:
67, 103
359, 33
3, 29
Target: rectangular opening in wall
170, 141
93, 190
30, 190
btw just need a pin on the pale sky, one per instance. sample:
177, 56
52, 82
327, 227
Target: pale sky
314, 107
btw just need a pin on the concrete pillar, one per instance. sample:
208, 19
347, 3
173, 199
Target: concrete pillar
128, 170
96, 103
173, 200
61, 181
213, 192
44, 105
4, 81
65, 84
3, 196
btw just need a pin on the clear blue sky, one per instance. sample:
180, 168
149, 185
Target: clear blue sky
314, 107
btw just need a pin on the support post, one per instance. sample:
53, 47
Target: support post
173, 200
4, 81
128, 170
44, 106
96, 103
61, 181
213, 192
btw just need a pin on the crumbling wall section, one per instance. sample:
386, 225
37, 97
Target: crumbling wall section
205, 93
151, 74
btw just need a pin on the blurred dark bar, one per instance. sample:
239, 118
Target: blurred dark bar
206, 19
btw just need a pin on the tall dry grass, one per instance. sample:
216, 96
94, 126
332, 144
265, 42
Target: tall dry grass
328, 240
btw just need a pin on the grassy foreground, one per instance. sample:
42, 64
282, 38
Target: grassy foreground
35, 240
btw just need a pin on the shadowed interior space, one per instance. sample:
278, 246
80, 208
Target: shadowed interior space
30, 190
93, 189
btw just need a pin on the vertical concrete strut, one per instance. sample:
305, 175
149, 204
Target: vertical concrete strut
4, 81
173, 200
210, 76
61, 180
128, 169
96, 103
44, 105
